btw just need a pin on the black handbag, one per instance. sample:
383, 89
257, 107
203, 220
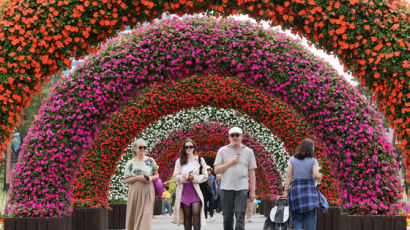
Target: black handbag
205, 187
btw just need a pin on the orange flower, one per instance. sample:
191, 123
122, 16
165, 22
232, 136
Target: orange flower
395, 26
378, 47
376, 75
341, 29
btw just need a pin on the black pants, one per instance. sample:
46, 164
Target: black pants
209, 207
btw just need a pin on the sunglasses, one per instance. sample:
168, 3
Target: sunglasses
142, 147
189, 147
235, 135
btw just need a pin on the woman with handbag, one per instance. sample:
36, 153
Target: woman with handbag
139, 174
303, 169
189, 199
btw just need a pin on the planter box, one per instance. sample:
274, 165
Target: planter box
38, 223
328, 221
116, 216
158, 207
353, 222
90, 219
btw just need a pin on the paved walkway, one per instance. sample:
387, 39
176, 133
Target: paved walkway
164, 223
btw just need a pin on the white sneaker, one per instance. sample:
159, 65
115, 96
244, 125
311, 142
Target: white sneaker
213, 219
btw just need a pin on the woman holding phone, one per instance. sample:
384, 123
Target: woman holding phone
139, 174
189, 200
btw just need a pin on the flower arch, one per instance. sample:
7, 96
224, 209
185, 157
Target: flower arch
155, 102
130, 120
341, 118
39, 37
186, 118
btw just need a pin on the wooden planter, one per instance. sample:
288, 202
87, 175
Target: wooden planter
90, 219
38, 223
116, 216
328, 221
352, 222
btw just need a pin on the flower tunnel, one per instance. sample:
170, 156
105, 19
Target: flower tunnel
160, 131
349, 130
162, 100
166, 134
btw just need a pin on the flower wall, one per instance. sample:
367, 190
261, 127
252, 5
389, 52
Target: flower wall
349, 129
369, 37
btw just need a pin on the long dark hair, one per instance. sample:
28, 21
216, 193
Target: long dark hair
183, 159
305, 149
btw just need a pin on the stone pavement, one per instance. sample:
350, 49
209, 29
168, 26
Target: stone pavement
163, 222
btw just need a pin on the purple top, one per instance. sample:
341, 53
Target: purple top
189, 194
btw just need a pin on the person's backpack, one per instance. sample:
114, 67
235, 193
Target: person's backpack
279, 218
205, 187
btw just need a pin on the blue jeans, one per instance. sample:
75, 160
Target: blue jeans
166, 205
309, 218
234, 202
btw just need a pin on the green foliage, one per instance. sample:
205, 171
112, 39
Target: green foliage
119, 200
85, 203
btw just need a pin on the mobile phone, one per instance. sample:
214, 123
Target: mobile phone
146, 177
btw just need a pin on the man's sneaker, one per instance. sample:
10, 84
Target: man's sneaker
213, 219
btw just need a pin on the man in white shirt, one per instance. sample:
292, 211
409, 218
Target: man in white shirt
237, 163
